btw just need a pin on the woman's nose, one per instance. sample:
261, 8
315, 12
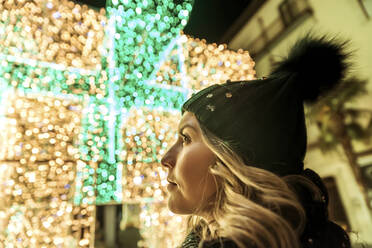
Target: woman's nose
168, 159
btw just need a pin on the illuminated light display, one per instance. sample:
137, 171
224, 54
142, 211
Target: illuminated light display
137, 36
146, 135
58, 31
28, 65
103, 86
39, 154
160, 227
195, 64
207, 64
119, 80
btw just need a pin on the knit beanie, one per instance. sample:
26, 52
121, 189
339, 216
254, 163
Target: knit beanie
263, 120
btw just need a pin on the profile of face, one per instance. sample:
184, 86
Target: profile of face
188, 159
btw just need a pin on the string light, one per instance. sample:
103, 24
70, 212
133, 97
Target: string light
200, 64
137, 36
147, 134
58, 31
144, 28
39, 145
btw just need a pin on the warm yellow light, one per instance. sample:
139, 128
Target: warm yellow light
39, 175
205, 64
61, 32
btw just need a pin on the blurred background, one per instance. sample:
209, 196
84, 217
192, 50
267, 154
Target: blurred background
90, 96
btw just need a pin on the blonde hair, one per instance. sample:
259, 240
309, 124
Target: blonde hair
253, 207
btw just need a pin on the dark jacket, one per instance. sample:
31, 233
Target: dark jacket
330, 235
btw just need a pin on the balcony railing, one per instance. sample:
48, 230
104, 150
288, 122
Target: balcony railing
292, 12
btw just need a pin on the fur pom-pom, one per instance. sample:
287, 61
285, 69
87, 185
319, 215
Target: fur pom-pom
317, 63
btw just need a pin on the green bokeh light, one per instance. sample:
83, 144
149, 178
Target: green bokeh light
139, 37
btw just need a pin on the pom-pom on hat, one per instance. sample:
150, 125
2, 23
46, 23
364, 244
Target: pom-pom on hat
263, 120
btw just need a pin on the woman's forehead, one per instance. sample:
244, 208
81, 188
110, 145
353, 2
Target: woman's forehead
189, 118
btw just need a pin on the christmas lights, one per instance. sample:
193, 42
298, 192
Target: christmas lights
160, 227
113, 86
58, 31
147, 134
35, 35
195, 64
39, 151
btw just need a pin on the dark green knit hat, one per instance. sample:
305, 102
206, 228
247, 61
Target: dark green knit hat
263, 120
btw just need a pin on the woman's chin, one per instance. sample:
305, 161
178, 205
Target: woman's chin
177, 208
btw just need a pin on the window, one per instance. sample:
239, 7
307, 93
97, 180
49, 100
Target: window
286, 12
290, 10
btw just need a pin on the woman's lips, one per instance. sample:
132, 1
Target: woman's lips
171, 184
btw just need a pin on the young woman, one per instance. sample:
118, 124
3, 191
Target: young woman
237, 167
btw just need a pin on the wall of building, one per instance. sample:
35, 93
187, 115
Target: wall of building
344, 18
335, 165
268, 12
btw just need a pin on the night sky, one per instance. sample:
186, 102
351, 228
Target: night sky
210, 19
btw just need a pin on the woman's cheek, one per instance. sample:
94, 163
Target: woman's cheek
189, 169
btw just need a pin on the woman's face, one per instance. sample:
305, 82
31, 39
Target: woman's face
188, 160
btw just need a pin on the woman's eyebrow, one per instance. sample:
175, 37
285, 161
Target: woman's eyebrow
185, 126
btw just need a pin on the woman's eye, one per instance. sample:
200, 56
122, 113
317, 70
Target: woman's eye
185, 139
